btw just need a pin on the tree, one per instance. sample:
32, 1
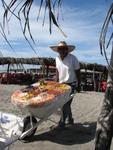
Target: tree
104, 131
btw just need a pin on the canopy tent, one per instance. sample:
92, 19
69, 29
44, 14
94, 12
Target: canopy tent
48, 62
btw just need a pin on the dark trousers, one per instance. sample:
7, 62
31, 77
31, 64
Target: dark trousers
66, 109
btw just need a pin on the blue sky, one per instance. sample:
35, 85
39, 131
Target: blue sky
81, 20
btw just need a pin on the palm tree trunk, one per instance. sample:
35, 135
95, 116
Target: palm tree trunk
105, 120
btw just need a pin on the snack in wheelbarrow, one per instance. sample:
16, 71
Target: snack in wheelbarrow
38, 94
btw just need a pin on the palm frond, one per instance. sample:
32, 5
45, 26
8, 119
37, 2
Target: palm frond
2, 32
41, 3
22, 9
103, 35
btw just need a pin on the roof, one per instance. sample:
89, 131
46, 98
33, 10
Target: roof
48, 62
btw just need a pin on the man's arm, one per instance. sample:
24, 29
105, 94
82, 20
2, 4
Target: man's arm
57, 76
78, 75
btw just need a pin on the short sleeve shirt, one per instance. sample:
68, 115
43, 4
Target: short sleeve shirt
66, 68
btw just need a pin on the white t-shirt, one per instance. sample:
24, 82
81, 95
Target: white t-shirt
66, 68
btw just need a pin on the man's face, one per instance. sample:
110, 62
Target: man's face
63, 51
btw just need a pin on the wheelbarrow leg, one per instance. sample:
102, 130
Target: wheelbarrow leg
29, 122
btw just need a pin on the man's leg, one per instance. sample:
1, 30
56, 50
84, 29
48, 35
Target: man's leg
70, 118
65, 113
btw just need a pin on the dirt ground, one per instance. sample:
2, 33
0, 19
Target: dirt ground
80, 136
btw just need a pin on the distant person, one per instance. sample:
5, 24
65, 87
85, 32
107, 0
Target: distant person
103, 85
68, 72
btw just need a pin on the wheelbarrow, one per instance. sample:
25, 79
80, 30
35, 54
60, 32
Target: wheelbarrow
13, 128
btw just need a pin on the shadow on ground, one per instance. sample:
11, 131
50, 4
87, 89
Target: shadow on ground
77, 134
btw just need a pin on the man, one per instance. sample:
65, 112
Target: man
68, 71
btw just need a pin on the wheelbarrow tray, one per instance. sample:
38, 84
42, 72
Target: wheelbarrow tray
49, 108
41, 113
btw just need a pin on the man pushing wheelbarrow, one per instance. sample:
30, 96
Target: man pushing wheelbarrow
68, 72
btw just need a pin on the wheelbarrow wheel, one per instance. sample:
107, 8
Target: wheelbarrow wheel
27, 126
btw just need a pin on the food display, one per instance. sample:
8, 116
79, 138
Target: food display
39, 94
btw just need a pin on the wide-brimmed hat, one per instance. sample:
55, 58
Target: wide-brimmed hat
63, 44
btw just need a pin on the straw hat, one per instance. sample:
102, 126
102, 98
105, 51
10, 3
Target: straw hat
62, 45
